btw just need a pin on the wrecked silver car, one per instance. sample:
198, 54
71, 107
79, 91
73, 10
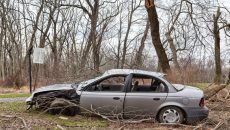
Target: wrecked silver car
124, 93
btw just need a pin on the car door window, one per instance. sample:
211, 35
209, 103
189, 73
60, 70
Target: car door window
113, 84
147, 84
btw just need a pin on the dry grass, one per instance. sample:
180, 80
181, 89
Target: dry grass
6, 90
187, 76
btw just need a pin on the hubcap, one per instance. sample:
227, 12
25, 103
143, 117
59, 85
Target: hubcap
171, 116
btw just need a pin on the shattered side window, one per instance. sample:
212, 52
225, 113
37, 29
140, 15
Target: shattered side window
147, 84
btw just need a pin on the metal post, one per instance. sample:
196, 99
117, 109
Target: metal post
30, 68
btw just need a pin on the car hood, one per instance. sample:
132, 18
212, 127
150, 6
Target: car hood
49, 88
53, 87
188, 91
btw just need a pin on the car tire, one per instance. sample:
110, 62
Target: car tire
44, 100
171, 114
63, 106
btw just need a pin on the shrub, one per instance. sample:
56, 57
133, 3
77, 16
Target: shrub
15, 80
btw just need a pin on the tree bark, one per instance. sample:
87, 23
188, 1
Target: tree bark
119, 43
212, 90
216, 34
92, 39
154, 25
96, 51
2, 73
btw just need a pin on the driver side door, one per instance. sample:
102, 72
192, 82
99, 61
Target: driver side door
105, 96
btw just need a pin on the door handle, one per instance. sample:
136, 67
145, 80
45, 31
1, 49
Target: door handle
116, 98
156, 99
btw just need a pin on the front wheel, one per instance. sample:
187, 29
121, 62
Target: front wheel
63, 106
171, 115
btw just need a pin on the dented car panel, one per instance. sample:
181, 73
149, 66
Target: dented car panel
129, 93
55, 87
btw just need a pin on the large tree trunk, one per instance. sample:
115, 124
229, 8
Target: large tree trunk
96, 50
54, 47
216, 34
212, 90
154, 24
92, 39
2, 73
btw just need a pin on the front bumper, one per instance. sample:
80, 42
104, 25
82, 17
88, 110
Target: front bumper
196, 114
29, 100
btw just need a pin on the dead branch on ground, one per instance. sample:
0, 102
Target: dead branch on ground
16, 117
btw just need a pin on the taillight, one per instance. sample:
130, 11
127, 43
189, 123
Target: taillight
201, 104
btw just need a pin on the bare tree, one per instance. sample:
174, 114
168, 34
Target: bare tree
134, 6
216, 36
139, 54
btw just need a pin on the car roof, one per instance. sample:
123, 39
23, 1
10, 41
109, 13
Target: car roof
132, 71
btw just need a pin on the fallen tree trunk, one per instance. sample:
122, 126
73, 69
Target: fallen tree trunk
213, 89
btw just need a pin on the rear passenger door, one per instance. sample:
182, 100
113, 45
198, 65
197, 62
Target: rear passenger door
144, 97
105, 96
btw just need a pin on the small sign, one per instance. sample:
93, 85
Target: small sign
39, 55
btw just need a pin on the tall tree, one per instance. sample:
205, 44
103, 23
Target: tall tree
216, 36
155, 33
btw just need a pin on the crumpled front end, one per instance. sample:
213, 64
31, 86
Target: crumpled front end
47, 89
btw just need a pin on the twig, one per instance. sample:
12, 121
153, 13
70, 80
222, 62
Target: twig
123, 121
8, 116
218, 125
23, 121
104, 117
226, 97
137, 121
60, 127
122, 127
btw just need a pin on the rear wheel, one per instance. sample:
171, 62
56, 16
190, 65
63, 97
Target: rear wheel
171, 114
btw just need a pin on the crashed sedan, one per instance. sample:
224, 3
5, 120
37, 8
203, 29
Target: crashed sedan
124, 93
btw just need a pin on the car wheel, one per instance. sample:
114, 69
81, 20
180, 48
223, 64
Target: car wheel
63, 106
44, 100
171, 115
